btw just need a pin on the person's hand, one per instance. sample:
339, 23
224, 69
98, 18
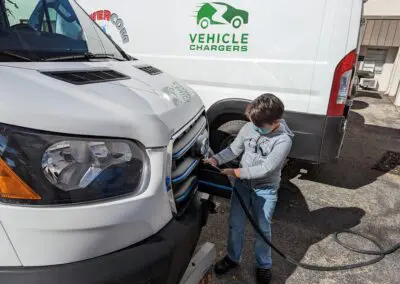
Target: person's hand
230, 172
211, 161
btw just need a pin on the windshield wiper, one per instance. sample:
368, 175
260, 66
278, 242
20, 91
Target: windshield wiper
14, 55
102, 56
86, 55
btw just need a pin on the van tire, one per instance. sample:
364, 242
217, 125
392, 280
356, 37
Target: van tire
224, 135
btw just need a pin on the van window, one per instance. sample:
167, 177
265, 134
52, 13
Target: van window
43, 29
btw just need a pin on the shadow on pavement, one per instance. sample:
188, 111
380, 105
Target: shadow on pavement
373, 95
359, 105
364, 146
296, 228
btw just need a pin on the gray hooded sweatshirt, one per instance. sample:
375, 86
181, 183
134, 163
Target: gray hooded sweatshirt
263, 157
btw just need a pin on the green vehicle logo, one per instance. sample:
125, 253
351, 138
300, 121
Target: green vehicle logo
218, 13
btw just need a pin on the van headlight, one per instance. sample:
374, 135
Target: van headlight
58, 169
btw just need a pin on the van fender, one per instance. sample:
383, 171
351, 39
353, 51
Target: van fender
226, 110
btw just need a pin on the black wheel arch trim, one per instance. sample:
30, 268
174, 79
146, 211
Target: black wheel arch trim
228, 108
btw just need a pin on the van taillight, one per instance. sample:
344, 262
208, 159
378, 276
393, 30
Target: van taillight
341, 84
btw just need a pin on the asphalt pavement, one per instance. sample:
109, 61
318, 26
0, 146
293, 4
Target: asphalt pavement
347, 195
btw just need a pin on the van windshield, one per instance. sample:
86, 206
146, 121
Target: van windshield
38, 30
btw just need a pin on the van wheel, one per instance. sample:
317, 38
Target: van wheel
223, 136
237, 22
204, 23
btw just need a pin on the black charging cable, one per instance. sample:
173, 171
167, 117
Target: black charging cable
380, 254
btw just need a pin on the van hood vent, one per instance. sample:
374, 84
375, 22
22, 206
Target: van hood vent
149, 69
83, 77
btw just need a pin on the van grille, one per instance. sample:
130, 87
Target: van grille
83, 77
185, 162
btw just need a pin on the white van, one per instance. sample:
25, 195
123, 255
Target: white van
232, 51
98, 156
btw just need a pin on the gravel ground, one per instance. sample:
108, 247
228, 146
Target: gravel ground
346, 195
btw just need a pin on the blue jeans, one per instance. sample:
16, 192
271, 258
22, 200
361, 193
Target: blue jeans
261, 203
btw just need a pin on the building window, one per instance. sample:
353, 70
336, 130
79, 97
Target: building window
375, 59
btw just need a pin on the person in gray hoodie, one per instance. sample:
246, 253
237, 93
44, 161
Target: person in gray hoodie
265, 143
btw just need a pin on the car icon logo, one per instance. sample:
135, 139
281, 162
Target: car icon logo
218, 13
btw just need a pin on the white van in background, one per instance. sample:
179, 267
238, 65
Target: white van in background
232, 51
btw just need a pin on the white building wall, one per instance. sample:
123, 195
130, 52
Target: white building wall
395, 78
397, 99
378, 8
393, 89
387, 69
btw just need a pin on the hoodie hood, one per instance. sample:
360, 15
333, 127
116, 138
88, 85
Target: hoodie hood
283, 129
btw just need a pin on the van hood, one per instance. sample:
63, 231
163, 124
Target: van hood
144, 107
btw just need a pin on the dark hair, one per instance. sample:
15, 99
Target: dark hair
265, 109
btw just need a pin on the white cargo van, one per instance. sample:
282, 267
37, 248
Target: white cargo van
232, 51
98, 155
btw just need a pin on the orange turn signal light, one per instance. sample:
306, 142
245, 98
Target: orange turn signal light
12, 187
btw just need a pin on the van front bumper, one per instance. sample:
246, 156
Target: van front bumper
162, 258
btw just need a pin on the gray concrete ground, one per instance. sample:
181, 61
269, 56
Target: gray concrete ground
346, 195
